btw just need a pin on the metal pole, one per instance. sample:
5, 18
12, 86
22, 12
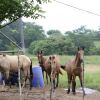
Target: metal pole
22, 35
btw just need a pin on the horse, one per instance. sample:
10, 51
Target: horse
41, 60
46, 64
55, 70
73, 69
11, 63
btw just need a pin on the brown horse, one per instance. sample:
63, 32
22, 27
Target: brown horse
73, 69
55, 69
42, 60
11, 63
47, 63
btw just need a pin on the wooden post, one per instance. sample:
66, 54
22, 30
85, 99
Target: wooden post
52, 88
83, 80
19, 79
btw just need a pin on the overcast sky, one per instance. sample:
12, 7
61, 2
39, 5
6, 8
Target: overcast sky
65, 18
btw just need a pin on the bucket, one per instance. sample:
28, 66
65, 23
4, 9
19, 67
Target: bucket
37, 77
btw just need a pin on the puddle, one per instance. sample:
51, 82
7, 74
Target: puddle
87, 90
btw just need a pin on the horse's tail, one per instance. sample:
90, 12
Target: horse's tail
63, 67
31, 74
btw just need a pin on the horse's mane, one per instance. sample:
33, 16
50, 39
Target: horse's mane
76, 56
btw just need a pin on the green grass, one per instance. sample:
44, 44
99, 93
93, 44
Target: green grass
95, 60
91, 80
97, 44
87, 59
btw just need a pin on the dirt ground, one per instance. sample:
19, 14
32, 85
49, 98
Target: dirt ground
44, 94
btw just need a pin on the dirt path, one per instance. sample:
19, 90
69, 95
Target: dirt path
39, 94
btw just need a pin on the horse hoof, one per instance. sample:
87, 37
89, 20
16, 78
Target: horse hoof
84, 94
68, 92
74, 93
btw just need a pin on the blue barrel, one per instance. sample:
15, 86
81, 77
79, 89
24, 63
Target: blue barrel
38, 80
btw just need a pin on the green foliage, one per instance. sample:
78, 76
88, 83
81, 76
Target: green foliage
82, 40
11, 10
32, 33
61, 45
35, 39
97, 44
54, 33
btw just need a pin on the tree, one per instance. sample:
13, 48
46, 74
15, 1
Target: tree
84, 41
53, 45
11, 10
13, 32
32, 33
68, 33
82, 30
54, 33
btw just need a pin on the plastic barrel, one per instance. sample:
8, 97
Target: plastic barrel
37, 77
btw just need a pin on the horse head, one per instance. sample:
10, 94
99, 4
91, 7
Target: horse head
55, 66
80, 53
40, 57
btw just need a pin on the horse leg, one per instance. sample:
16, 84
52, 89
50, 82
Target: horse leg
81, 82
31, 76
25, 79
43, 73
46, 77
54, 87
74, 85
24, 83
8, 78
69, 82
57, 80
3, 80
